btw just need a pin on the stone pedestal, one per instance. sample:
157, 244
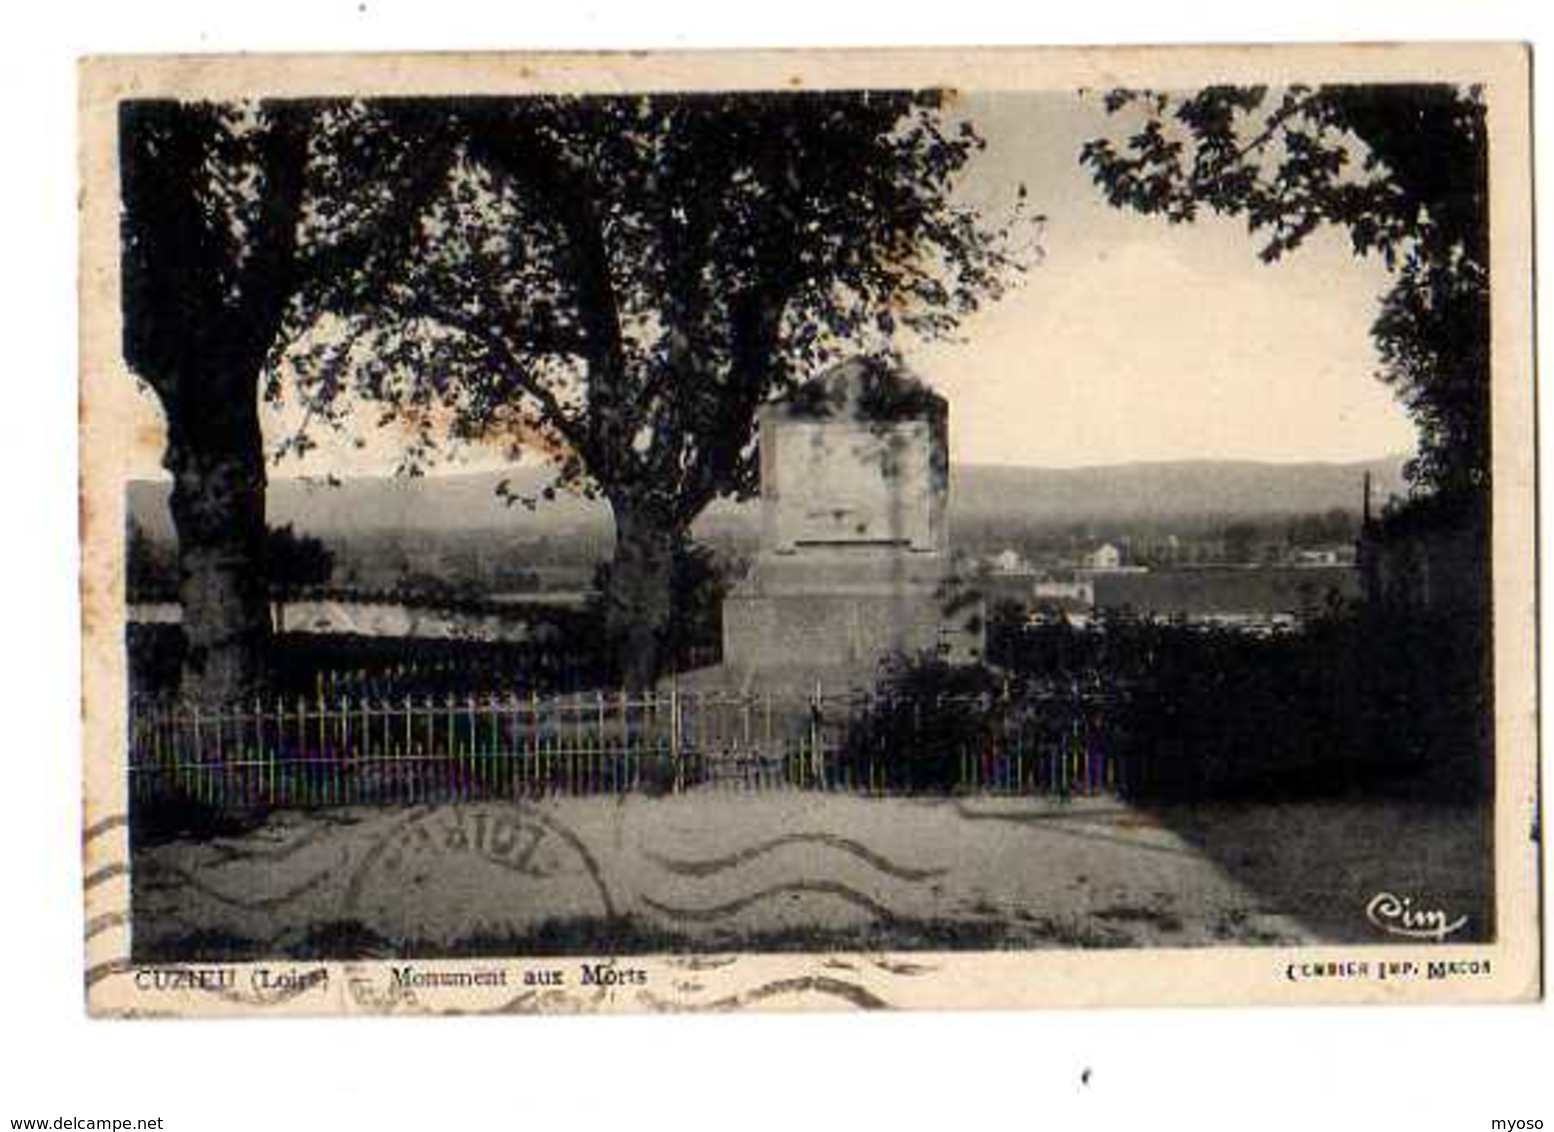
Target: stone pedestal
854, 565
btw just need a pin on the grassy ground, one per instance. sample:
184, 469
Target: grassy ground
1324, 861
796, 871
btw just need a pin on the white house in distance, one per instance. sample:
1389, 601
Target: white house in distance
1009, 561
1107, 556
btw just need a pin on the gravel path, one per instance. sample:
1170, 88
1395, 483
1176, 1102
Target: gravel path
721, 871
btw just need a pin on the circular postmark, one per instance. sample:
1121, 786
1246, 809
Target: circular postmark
495, 869
476, 879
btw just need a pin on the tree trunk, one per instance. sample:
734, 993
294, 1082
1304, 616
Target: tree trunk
218, 508
638, 598
203, 301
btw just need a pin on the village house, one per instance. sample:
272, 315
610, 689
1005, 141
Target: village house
1107, 556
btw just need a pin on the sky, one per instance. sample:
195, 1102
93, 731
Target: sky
1137, 340
1130, 340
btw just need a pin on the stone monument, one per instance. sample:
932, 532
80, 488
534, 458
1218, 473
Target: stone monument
854, 564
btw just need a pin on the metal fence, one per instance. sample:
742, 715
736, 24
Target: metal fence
327, 750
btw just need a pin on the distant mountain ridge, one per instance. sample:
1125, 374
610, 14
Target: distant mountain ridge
1169, 489
1158, 490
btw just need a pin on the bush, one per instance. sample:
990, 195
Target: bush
1356, 702
925, 718
567, 659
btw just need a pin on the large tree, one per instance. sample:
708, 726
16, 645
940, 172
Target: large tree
233, 215
211, 204
621, 282
1402, 169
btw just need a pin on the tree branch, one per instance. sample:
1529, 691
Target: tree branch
522, 152
509, 355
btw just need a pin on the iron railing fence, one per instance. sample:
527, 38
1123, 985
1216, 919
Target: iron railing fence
343, 749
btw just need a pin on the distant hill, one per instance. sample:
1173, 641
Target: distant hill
1180, 489
1239, 488
422, 503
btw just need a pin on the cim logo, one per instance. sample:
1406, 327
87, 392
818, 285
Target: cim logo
1397, 915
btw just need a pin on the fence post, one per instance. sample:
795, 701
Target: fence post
321, 724
302, 760
406, 753
674, 731
196, 762
472, 753
218, 793
272, 753
816, 759
246, 778
601, 744
366, 725
346, 777
623, 768
450, 772
534, 735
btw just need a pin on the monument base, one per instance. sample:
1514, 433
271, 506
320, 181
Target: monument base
777, 630
854, 565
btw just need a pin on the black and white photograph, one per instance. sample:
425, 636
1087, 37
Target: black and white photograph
798, 532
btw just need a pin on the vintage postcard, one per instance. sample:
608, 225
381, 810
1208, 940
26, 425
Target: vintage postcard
803, 530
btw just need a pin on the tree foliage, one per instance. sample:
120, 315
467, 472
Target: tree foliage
212, 197
296, 561
234, 217
1401, 169
619, 283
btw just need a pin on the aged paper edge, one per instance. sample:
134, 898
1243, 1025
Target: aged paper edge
799, 981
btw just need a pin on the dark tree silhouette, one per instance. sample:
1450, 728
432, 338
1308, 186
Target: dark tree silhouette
622, 282
208, 263
1402, 169
294, 562
233, 216
150, 567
